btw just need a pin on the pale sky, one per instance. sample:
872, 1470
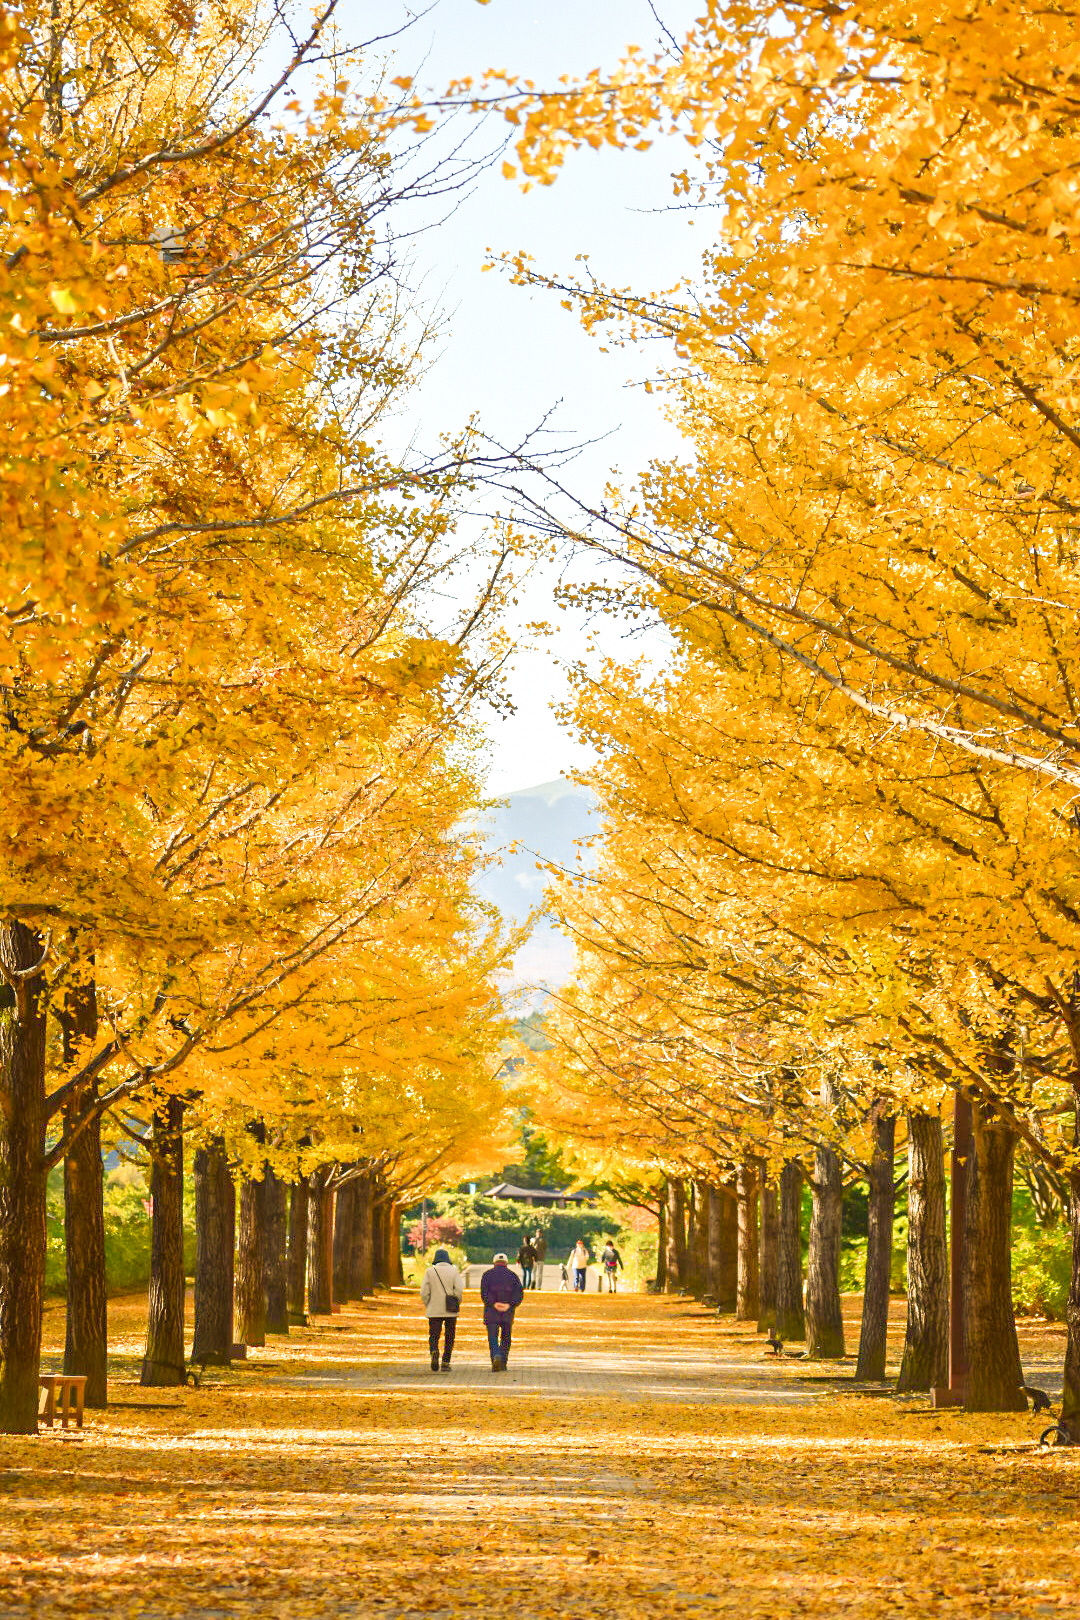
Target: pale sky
508, 355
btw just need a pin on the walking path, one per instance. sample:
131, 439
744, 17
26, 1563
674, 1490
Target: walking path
641, 1461
564, 1346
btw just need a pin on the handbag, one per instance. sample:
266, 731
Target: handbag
451, 1301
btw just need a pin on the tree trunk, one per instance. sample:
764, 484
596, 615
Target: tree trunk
394, 1269
661, 1246
790, 1315
251, 1264
215, 1236
320, 1271
86, 1341
275, 1258
995, 1374
874, 1328
691, 1279
697, 1241
164, 1360
1070, 1395
361, 1258
298, 1246
767, 1257
710, 1215
344, 1208
925, 1363
22, 1177
723, 1248
824, 1316
675, 1197
378, 1239
251, 1251
748, 1297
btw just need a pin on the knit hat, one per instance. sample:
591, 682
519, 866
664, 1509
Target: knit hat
499, 1257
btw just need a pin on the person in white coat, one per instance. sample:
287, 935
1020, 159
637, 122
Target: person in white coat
441, 1293
577, 1261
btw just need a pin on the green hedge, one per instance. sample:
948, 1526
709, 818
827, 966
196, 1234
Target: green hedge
1041, 1264
127, 1231
491, 1224
487, 1238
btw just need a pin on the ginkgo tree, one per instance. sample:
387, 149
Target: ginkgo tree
227, 710
875, 533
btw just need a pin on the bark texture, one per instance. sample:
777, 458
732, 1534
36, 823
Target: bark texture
344, 1212
1070, 1396
22, 1177
713, 1241
824, 1316
378, 1237
728, 1278
163, 1363
394, 1268
86, 1339
298, 1246
767, 1258
361, 1258
747, 1300
995, 1374
675, 1266
875, 1312
661, 1247
790, 1314
251, 1264
320, 1248
215, 1231
697, 1241
925, 1363
275, 1199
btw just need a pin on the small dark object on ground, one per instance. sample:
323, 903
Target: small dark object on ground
1040, 1400
1056, 1435
775, 1345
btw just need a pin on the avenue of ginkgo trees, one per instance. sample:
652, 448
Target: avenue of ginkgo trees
839, 884
234, 760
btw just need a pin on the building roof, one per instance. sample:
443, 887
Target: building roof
547, 1195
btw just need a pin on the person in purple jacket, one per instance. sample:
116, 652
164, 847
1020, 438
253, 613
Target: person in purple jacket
502, 1293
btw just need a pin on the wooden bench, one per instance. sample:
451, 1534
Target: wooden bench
67, 1387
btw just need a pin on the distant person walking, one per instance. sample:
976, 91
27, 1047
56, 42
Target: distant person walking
611, 1260
578, 1260
441, 1294
564, 1282
539, 1244
526, 1260
502, 1293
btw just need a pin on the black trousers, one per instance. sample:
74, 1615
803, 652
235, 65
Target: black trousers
434, 1324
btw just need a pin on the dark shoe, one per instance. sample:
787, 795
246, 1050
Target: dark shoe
434, 1361
446, 1366
497, 1364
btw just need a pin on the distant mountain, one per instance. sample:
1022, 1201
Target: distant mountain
535, 825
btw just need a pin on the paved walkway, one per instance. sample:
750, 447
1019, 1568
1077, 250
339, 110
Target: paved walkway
570, 1346
551, 1282
576, 1346
641, 1461
601, 1376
